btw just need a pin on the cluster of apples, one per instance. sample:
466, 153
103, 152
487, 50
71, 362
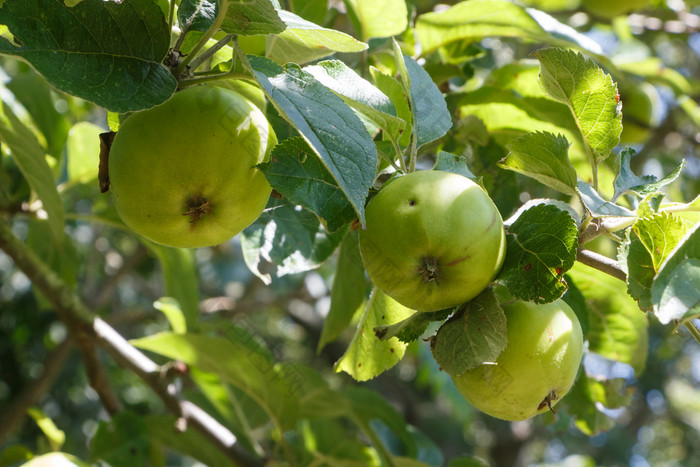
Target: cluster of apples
184, 174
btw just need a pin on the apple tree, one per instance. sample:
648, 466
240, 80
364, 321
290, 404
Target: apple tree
280, 233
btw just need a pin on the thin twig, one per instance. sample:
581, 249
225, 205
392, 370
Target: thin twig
32, 393
96, 372
127, 356
79, 319
693, 330
207, 54
204, 40
601, 263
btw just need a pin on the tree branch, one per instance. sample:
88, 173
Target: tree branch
601, 263
32, 393
91, 329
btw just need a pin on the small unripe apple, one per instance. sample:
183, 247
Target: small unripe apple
537, 367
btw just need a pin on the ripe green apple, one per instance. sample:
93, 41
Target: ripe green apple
432, 240
537, 367
184, 173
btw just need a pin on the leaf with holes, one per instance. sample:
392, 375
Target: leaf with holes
541, 247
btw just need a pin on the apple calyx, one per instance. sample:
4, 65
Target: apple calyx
429, 269
196, 207
547, 401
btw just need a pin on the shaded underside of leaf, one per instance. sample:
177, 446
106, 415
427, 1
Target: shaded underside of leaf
473, 337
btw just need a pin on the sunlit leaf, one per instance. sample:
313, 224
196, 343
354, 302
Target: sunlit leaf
590, 94
348, 291
303, 41
544, 157
367, 356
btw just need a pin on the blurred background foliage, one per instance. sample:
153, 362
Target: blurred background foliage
120, 278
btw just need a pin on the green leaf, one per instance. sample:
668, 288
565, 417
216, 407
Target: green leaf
541, 247
32, 91
19, 454
627, 182
330, 127
448, 162
251, 17
467, 462
104, 52
637, 263
428, 105
675, 293
161, 429
59, 254
379, 18
197, 15
296, 173
618, 329
471, 21
359, 94
588, 395
472, 337
55, 436
367, 356
122, 441
29, 157
575, 299
171, 309
286, 391
598, 206
240, 413
660, 234
180, 278
290, 238
391, 87
508, 114
413, 327
83, 151
303, 41
544, 157
476, 19
348, 291
367, 406
590, 94
312, 10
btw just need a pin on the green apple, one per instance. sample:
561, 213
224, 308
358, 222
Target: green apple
184, 173
537, 367
432, 240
